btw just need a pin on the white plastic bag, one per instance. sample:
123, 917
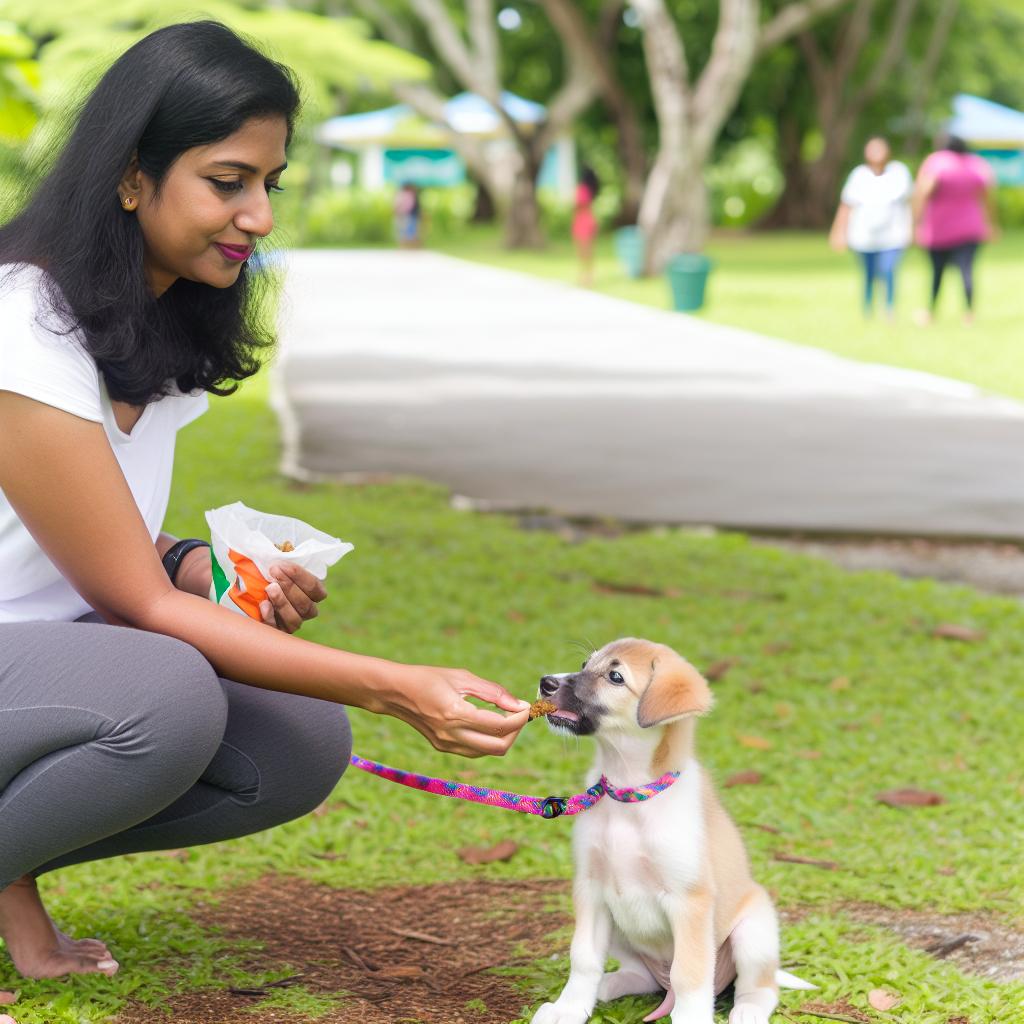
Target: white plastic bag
246, 543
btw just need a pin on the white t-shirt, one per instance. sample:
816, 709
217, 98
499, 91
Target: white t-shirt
879, 208
56, 369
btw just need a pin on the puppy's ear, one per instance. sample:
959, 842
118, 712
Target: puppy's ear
676, 690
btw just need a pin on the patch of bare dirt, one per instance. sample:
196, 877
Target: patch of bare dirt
979, 944
403, 954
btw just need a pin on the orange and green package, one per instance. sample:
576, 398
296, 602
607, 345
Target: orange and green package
245, 543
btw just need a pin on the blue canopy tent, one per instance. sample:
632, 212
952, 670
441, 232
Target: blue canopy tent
994, 132
396, 145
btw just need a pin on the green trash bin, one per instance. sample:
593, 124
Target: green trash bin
629, 247
687, 275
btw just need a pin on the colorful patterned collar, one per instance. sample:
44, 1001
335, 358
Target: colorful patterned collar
546, 807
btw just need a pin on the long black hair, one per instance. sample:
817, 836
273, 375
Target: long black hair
182, 86
953, 143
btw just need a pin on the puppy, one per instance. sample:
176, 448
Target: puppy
662, 885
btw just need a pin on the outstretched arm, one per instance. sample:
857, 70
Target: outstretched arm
60, 475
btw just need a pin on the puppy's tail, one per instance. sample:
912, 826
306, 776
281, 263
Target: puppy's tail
786, 980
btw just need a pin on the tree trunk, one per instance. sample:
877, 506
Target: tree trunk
634, 164
522, 219
485, 210
811, 191
674, 215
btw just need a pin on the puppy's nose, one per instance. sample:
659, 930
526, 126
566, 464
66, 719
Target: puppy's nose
549, 685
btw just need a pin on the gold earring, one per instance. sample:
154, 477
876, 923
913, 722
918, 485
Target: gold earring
128, 202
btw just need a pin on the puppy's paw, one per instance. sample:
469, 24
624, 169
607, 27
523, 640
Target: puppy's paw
745, 1013
553, 1013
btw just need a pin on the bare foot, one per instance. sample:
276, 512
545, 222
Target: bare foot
6, 998
37, 947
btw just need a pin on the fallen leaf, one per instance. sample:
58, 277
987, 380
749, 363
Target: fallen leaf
8, 998
637, 589
331, 856
748, 778
514, 616
718, 669
839, 684
320, 810
882, 1000
959, 1019
755, 742
504, 850
789, 858
808, 755
181, 855
909, 797
777, 648
953, 631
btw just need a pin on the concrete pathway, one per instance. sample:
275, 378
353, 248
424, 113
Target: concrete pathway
523, 393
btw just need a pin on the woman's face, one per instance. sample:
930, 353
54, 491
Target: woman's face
213, 203
876, 153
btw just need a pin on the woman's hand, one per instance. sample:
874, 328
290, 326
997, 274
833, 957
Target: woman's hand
292, 597
431, 700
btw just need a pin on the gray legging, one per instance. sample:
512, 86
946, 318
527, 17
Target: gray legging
114, 741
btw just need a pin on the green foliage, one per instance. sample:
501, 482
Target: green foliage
743, 183
80, 37
355, 216
19, 83
349, 216
1010, 206
446, 211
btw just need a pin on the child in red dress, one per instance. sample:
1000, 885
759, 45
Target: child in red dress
584, 224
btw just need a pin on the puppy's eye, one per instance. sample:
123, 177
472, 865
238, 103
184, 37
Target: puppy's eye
616, 678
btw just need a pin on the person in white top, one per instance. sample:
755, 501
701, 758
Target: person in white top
874, 218
136, 714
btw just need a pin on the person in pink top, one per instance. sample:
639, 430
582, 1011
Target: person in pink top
584, 224
954, 211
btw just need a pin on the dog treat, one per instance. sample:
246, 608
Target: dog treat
286, 546
540, 708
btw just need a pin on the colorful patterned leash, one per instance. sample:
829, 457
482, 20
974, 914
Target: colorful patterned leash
546, 807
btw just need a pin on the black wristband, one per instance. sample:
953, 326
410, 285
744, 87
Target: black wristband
177, 551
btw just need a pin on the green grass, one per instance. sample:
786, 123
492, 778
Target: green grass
793, 286
430, 584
